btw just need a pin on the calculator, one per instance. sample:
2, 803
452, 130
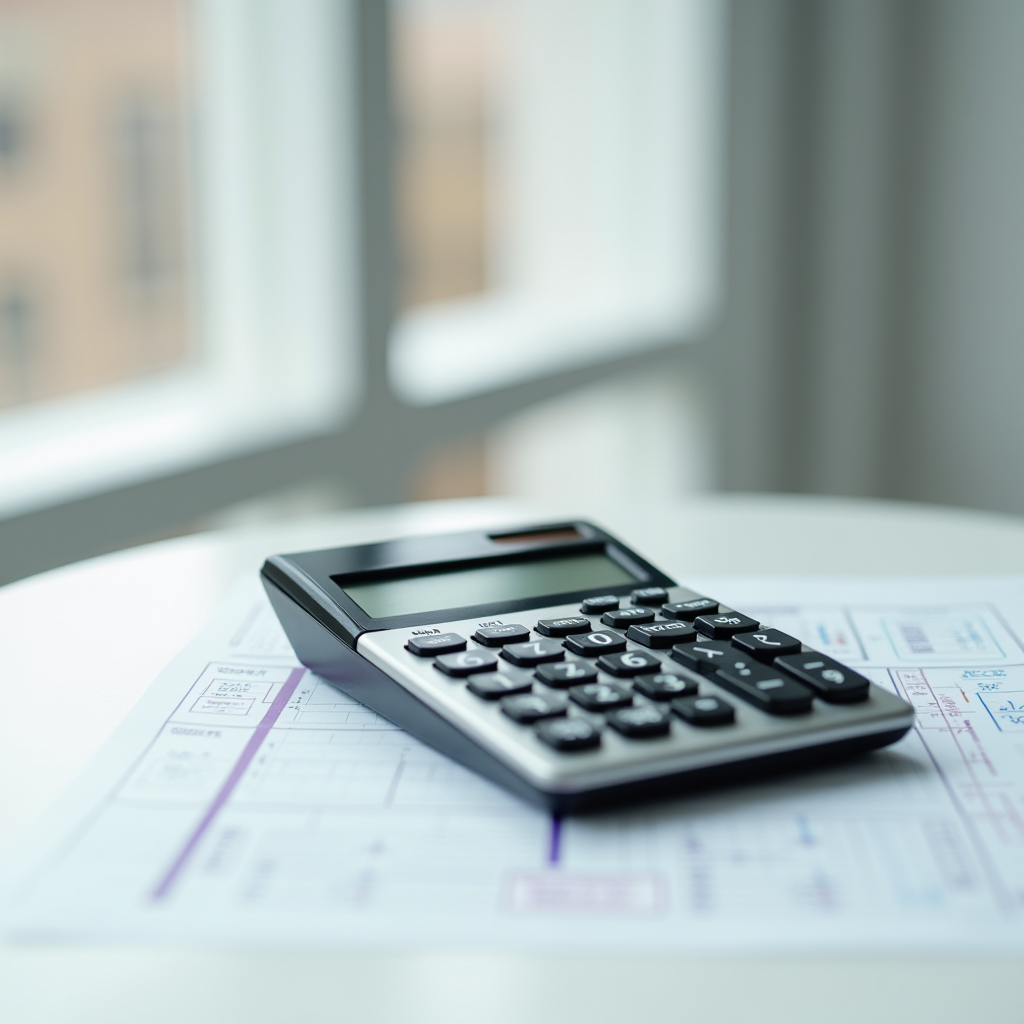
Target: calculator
559, 663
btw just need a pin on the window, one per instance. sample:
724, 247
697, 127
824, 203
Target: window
173, 197
211, 289
558, 183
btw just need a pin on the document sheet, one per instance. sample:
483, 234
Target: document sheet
246, 801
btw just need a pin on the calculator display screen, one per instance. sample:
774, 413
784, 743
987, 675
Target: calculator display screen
487, 584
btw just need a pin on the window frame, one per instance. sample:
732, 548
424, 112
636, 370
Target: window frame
376, 445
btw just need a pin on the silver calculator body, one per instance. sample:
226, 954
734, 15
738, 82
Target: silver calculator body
562, 665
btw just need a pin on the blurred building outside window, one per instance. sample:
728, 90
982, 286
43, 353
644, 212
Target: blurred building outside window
558, 189
558, 184
161, 163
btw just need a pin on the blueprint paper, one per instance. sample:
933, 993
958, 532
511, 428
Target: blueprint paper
245, 801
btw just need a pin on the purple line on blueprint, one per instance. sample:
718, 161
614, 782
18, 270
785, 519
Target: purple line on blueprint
555, 849
267, 722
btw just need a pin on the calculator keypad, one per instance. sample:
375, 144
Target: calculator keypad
621, 686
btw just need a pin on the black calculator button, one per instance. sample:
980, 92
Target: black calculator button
498, 636
704, 710
569, 734
640, 722
769, 689
601, 696
661, 634
689, 610
492, 685
532, 707
828, 678
654, 596
590, 645
533, 653
631, 663
627, 616
435, 644
596, 605
563, 674
767, 644
563, 627
466, 663
665, 685
705, 656
725, 624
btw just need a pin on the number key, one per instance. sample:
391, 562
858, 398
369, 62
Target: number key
601, 696
640, 722
492, 685
704, 710
563, 674
631, 663
533, 653
532, 707
590, 645
465, 663
665, 685
569, 733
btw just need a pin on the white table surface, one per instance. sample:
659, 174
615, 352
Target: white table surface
83, 642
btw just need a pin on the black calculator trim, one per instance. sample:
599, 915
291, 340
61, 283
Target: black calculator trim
316, 579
